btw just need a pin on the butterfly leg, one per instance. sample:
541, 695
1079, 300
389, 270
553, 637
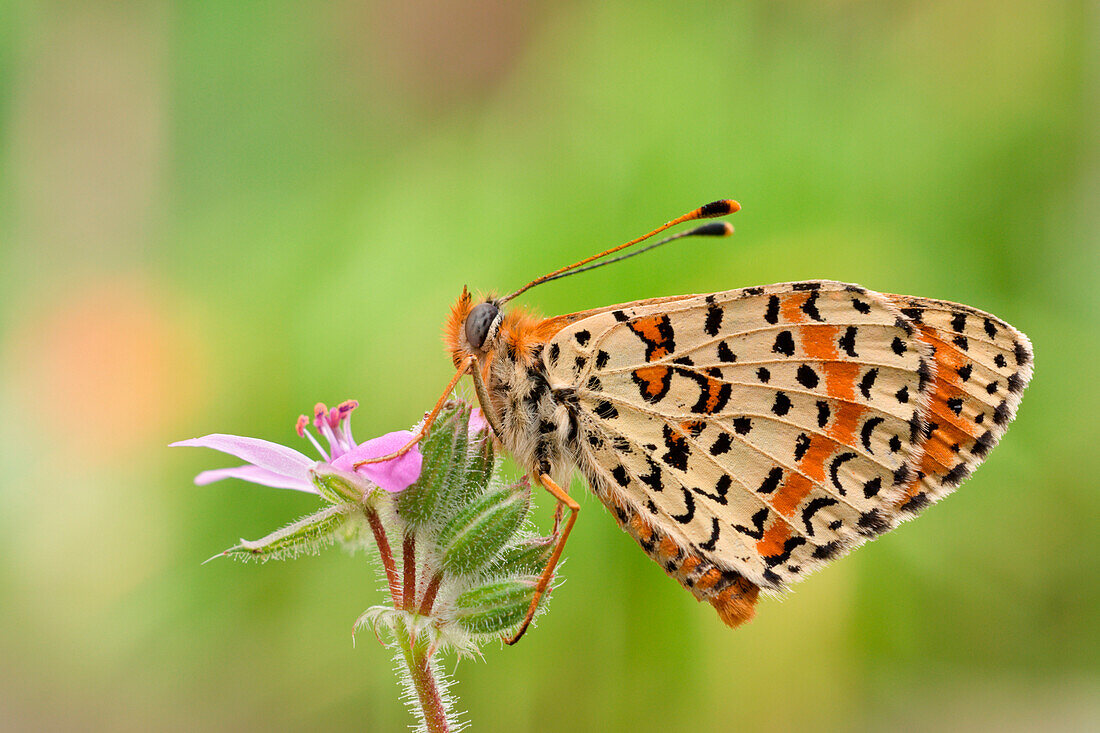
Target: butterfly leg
563, 497
427, 423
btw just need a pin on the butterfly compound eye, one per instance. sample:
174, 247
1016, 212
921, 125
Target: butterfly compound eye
478, 323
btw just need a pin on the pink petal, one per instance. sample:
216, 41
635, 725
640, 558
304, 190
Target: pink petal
394, 475
265, 454
477, 423
256, 475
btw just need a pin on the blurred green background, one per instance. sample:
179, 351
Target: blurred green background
213, 215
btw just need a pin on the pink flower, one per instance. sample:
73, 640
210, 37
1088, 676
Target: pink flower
281, 467
477, 423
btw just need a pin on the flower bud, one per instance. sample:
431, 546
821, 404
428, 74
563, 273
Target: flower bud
419, 504
476, 534
494, 607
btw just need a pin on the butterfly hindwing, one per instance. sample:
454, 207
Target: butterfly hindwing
769, 429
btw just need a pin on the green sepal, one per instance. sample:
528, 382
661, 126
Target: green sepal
335, 486
307, 536
526, 557
476, 534
419, 504
493, 607
474, 480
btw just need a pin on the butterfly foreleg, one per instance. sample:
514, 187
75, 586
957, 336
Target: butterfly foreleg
463, 367
564, 499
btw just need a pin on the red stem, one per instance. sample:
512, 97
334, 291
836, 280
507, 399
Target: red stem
383, 543
408, 563
429, 594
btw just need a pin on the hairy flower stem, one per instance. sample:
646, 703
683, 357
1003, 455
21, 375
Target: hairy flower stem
408, 556
386, 554
429, 594
433, 710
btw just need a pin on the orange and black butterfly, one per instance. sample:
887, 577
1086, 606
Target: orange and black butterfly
746, 437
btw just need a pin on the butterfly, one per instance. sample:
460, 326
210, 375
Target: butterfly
747, 437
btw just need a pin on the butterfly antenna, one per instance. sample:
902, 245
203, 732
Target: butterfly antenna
711, 210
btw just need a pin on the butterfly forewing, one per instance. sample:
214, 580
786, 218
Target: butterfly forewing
768, 428
982, 367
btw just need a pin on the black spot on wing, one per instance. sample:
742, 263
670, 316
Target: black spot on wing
678, 451
801, 445
620, 475
898, 346
873, 523
554, 353
965, 371
763, 374
784, 343
582, 337
721, 444
653, 478
983, 445
902, 394
711, 543
861, 306
771, 481
714, 320
1023, 356
742, 425
757, 530
834, 467
724, 353
810, 307
601, 358
955, 476
915, 503
788, 547
865, 433
867, 382
689, 509
848, 342
914, 314
806, 376
872, 487
823, 413
958, 322
827, 551
606, 411
720, 489
955, 404
772, 314
1000, 361
812, 508
782, 404
962, 342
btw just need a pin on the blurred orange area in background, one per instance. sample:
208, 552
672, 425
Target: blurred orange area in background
106, 368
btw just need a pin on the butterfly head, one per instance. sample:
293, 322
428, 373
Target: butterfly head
473, 327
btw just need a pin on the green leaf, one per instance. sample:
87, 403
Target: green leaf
475, 536
307, 536
493, 607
